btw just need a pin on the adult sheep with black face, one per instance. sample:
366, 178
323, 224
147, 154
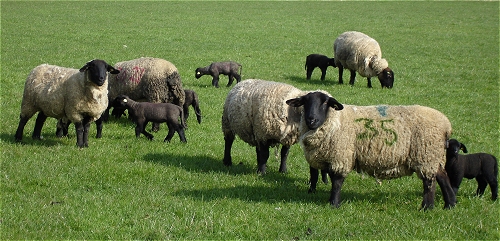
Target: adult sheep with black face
79, 96
357, 51
383, 141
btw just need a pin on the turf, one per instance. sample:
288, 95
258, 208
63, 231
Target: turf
444, 55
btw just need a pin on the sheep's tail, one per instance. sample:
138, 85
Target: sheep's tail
183, 121
196, 106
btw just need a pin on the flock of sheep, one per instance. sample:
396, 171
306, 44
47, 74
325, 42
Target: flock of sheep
381, 140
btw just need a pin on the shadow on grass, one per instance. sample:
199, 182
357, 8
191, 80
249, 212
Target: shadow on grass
49, 140
315, 81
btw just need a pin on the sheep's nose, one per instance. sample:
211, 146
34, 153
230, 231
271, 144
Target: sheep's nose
311, 121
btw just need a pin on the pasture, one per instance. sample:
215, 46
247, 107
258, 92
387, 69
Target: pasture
444, 55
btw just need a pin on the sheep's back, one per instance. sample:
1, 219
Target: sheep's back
256, 111
383, 141
354, 50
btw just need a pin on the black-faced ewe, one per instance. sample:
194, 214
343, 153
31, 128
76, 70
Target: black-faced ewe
318, 60
144, 112
229, 68
481, 166
357, 51
79, 96
382, 141
255, 110
191, 100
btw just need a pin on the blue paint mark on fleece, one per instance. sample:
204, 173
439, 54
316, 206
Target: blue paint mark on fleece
382, 110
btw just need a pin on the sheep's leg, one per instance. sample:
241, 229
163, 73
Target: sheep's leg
99, 125
313, 179
353, 77
323, 73
341, 71
262, 156
337, 181
182, 135
156, 127
494, 187
86, 129
284, 156
20, 128
228, 143
238, 77
429, 193
481, 185
79, 134
449, 195
37, 132
62, 128
231, 79
215, 80
369, 82
141, 128
324, 176
309, 72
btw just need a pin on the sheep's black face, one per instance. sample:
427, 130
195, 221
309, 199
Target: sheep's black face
386, 78
315, 107
97, 71
453, 147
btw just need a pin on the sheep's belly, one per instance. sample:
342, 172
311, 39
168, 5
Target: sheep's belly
383, 172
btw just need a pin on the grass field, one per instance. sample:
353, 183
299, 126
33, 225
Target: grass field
444, 55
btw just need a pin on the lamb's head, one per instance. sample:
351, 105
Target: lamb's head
198, 73
331, 62
121, 101
315, 107
97, 71
452, 148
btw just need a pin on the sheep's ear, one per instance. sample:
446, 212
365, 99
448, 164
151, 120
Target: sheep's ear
112, 70
295, 102
463, 148
335, 104
85, 67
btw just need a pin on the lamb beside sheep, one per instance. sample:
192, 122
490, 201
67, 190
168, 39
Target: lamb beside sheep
357, 51
144, 112
318, 60
481, 166
229, 68
79, 96
255, 110
382, 141
191, 100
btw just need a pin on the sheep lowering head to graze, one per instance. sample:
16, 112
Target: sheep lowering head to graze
144, 112
72, 95
481, 166
229, 68
255, 110
191, 100
382, 141
318, 60
357, 51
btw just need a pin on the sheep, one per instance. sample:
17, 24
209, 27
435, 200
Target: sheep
144, 112
482, 166
382, 141
229, 68
79, 96
357, 51
191, 100
318, 60
255, 110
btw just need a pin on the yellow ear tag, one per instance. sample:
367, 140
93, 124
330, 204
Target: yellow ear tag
124, 100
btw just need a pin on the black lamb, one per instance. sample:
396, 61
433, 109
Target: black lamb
318, 60
144, 112
482, 166
229, 68
191, 99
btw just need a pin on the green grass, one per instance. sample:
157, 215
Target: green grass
444, 55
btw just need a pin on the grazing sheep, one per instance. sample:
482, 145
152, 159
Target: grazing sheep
256, 111
144, 112
382, 141
229, 68
482, 166
191, 99
356, 51
79, 96
318, 60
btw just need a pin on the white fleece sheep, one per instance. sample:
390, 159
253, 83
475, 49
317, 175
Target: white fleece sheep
357, 51
382, 141
79, 96
256, 111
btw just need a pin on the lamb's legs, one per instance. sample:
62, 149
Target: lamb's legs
238, 77
449, 195
171, 131
231, 79
429, 193
37, 132
262, 151
323, 73
20, 128
337, 181
141, 128
182, 135
481, 185
309, 72
215, 81
353, 77
284, 156
228, 140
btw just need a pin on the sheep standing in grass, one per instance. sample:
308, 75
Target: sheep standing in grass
356, 51
144, 112
229, 68
481, 166
191, 100
79, 96
318, 60
256, 111
382, 141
